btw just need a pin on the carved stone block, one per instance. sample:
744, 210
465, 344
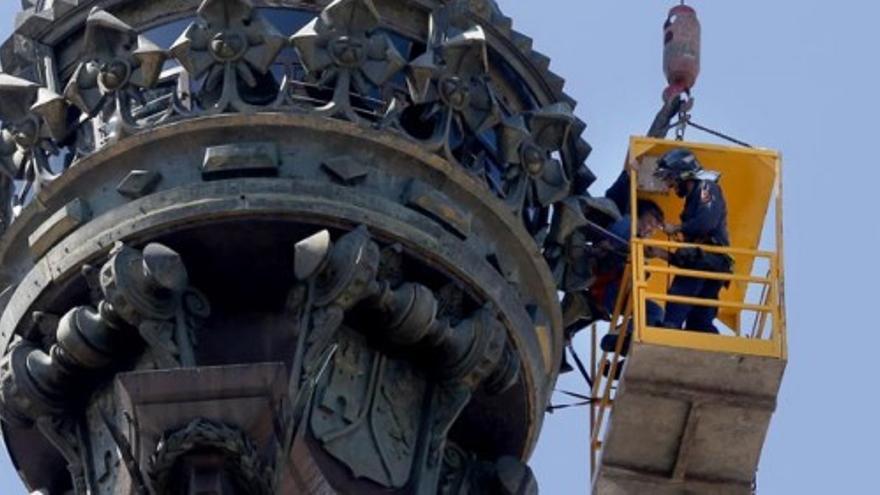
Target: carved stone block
423, 197
241, 159
345, 170
138, 183
227, 408
64, 221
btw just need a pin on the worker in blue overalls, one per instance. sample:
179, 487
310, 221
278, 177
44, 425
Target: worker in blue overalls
650, 219
703, 221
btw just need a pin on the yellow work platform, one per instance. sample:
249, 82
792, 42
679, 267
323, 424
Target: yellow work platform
691, 410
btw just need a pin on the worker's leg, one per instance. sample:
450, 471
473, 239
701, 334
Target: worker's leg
701, 318
676, 313
609, 341
610, 300
654, 314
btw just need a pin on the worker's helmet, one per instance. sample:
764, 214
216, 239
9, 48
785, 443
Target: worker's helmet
678, 165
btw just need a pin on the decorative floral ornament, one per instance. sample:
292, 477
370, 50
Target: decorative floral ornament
233, 47
116, 63
460, 13
527, 144
34, 119
341, 46
451, 84
483, 8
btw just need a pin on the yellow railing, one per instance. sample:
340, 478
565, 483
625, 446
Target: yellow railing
768, 308
602, 396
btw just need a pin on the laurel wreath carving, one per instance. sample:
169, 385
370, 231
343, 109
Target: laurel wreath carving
243, 463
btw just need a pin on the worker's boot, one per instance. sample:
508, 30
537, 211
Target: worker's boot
609, 343
606, 369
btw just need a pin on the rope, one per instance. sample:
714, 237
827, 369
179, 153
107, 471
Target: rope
718, 134
556, 407
580, 366
574, 395
585, 401
685, 120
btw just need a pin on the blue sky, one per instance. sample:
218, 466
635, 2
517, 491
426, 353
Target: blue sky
799, 76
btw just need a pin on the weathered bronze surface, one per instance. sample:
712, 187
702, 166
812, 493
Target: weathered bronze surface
286, 246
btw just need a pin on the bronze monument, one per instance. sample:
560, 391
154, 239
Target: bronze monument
283, 246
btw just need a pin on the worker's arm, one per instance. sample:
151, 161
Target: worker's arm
661, 125
655, 252
619, 192
709, 212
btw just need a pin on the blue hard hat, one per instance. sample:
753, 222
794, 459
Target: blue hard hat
678, 165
